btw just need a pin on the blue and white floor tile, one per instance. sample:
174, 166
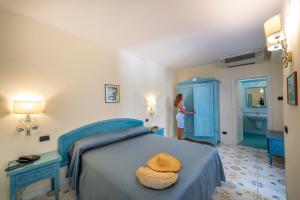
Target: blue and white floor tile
248, 173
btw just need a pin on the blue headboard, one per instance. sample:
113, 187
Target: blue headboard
111, 125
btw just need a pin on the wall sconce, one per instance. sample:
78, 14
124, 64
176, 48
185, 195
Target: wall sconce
28, 108
261, 91
151, 105
276, 38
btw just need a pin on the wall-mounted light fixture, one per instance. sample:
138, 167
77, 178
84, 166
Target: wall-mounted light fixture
261, 91
151, 105
276, 38
27, 108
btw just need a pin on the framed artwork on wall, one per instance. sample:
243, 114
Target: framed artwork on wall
112, 93
292, 89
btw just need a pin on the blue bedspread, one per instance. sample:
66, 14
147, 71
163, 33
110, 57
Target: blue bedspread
108, 171
93, 142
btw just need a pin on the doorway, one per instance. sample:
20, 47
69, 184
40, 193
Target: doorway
252, 128
252, 102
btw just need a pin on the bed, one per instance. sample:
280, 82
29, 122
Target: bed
102, 159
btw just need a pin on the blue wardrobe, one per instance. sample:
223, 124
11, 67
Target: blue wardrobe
202, 95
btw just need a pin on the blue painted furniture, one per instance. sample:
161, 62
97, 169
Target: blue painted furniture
202, 95
159, 131
275, 141
111, 125
47, 167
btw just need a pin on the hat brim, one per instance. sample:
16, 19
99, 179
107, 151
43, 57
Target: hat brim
174, 166
155, 180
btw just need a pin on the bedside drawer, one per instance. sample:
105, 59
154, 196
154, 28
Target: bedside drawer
35, 175
47, 167
276, 147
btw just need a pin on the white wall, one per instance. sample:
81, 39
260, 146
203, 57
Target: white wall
69, 73
227, 76
292, 113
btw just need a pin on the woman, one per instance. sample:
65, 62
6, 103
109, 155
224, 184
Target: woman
178, 103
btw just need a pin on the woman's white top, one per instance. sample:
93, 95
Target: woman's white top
180, 118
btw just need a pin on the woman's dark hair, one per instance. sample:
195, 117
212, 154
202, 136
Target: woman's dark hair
178, 99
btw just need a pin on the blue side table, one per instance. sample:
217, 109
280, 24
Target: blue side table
47, 167
159, 131
275, 144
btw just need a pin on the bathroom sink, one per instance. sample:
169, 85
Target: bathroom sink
257, 118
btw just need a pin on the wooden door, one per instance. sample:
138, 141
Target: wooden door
204, 117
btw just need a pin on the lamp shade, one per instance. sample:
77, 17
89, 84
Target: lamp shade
27, 107
273, 29
151, 101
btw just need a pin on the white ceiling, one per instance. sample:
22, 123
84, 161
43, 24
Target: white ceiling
176, 33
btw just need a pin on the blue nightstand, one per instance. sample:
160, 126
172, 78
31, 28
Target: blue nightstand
159, 131
275, 144
47, 167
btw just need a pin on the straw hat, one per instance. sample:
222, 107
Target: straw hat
164, 162
155, 180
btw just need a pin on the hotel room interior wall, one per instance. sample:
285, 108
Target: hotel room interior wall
151, 81
69, 73
227, 76
291, 13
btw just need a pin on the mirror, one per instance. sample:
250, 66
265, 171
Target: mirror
256, 97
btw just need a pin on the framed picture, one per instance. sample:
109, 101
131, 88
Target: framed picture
112, 93
292, 89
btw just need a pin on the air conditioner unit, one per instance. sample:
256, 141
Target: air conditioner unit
244, 59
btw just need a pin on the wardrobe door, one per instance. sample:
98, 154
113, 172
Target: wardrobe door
187, 91
204, 117
216, 112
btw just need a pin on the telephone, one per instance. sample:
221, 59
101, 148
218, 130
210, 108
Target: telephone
22, 161
28, 159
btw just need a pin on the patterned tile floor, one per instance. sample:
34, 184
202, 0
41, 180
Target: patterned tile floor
248, 173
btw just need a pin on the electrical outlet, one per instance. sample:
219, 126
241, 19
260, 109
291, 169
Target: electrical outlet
44, 138
280, 98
